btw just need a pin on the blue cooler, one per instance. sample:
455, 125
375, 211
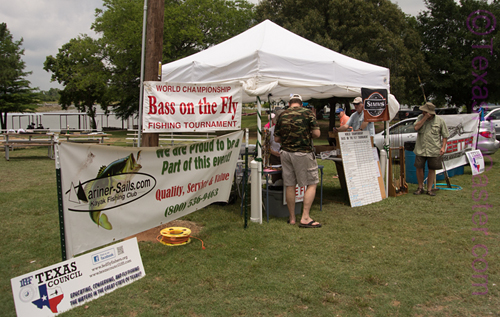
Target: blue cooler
411, 170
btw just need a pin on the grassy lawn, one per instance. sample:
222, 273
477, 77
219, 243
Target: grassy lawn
405, 256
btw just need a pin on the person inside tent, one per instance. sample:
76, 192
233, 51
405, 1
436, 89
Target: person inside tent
356, 121
295, 129
275, 147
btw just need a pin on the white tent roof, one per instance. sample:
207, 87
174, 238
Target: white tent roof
268, 59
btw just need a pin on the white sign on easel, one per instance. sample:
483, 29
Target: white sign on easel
476, 161
360, 171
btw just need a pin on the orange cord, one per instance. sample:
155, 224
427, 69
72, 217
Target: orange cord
202, 243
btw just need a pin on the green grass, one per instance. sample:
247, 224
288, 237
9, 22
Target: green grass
404, 256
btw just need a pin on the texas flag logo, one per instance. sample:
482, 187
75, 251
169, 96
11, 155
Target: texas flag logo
477, 166
50, 298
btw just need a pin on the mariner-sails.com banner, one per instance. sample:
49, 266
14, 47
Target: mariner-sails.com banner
172, 107
110, 193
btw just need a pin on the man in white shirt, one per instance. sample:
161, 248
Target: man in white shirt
356, 121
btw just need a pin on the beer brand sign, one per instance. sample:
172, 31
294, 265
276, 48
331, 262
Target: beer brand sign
375, 104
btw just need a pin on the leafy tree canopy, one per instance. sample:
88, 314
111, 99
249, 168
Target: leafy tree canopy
51, 95
374, 31
451, 41
15, 92
79, 67
189, 27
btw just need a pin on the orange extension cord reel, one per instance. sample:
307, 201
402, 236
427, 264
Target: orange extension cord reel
176, 236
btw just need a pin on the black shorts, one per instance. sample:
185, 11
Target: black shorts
433, 163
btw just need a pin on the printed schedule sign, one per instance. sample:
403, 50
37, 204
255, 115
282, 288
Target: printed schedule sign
60, 287
176, 107
360, 168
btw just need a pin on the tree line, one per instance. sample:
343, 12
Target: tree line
431, 56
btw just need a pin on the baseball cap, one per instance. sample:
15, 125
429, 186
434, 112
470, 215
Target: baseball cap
339, 110
357, 100
295, 96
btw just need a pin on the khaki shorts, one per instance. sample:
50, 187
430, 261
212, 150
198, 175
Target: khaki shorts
299, 168
433, 163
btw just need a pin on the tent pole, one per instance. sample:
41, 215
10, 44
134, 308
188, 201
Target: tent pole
259, 131
139, 124
259, 155
387, 141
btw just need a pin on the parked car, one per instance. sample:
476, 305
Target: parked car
409, 113
486, 140
404, 131
487, 108
399, 133
493, 116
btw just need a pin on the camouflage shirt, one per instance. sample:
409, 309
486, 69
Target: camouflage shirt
294, 128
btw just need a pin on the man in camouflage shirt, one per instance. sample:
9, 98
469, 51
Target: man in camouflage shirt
295, 129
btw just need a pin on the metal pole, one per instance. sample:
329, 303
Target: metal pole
139, 124
62, 232
387, 158
245, 179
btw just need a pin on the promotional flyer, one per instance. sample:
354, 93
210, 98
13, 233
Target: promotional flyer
65, 285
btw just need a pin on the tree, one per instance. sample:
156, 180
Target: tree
448, 43
190, 26
51, 95
80, 68
374, 31
15, 92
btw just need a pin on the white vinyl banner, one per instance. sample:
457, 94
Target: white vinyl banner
65, 285
463, 129
174, 107
110, 193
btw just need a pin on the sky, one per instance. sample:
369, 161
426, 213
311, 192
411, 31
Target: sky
46, 25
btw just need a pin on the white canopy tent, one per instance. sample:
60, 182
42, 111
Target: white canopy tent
268, 59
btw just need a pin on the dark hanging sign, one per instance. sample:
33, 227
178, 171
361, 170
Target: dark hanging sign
375, 104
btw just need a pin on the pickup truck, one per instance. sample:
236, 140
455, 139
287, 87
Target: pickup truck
405, 114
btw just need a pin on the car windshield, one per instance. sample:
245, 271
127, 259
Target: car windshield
493, 115
404, 127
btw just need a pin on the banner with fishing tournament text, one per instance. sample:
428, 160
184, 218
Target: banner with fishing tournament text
110, 193
175, 107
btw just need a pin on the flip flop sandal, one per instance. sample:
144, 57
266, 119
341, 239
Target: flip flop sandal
310, 225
